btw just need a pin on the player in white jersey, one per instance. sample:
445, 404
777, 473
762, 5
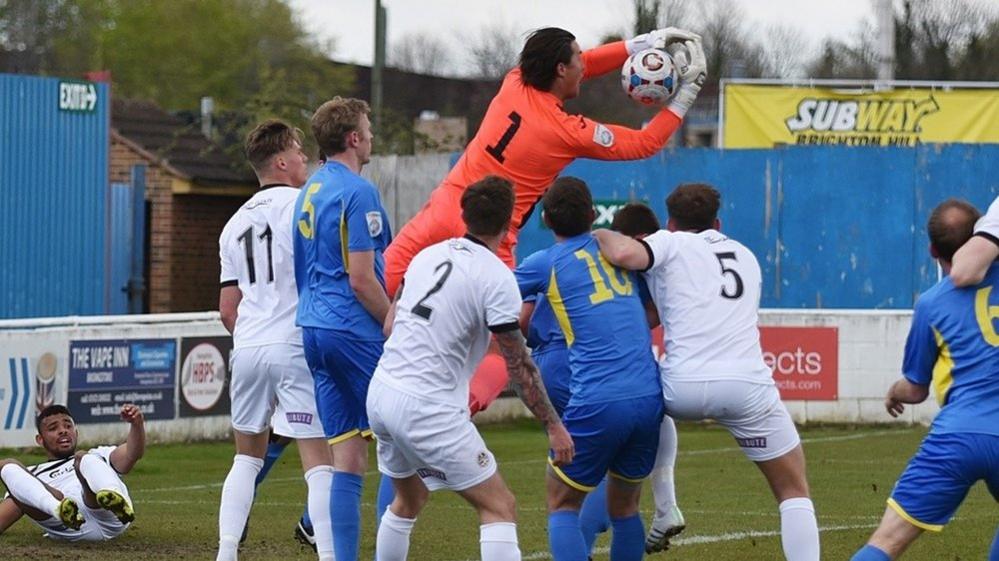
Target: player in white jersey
971, 262
706, 288
454, 294
74, 496
270, 377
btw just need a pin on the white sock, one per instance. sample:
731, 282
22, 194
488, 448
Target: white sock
99, 475
799, 532
28, 490
663, 489
392, 543
318, 480
237, 498
498, 542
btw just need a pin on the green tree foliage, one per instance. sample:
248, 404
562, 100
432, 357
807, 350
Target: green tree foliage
252, 56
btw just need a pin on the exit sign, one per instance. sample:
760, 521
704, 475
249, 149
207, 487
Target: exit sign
78, 97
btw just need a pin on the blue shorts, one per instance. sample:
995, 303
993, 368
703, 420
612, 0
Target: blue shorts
553, 362
619, 438
341, 371
939, 476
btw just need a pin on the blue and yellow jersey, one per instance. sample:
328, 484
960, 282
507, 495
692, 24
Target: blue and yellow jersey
953, 345
601, 316
337, 212
543, 331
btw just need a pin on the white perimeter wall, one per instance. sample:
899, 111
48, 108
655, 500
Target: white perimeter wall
870, 355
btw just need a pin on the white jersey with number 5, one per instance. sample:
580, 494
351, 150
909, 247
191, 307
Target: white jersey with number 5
256, 252
453, 294
988, 225
706, 288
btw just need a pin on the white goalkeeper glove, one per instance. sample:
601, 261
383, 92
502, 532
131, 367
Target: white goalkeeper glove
692, 68
659, 39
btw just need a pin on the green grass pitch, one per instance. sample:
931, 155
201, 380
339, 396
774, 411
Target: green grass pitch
730, 513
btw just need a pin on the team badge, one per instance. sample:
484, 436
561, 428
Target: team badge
603, 136
374, 223
483, 459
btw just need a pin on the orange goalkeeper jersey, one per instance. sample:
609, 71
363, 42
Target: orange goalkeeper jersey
527, 137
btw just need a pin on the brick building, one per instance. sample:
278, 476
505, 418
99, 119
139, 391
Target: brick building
192, 188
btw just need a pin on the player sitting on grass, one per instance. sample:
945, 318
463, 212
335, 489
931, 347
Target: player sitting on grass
706, 287
83, 497
615, 405
954, 345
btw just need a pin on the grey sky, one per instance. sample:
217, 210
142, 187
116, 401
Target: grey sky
351, 22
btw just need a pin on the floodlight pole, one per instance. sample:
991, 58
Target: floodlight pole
885, 16
379, 63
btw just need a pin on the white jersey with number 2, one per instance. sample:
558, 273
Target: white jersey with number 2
454, 293
706, 288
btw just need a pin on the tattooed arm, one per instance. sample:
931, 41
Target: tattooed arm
527, 383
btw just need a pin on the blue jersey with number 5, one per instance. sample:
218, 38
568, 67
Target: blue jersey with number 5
337, 212
953, 344
600, 311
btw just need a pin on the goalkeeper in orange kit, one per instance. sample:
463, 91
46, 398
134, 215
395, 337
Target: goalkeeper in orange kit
527, 137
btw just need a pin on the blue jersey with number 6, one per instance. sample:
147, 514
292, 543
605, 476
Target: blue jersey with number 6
953, 344
600, 311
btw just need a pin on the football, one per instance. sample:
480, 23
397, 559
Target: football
649, 77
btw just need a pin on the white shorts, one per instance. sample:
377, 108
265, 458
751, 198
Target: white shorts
273, 381
435, 441
98, 524
752, 412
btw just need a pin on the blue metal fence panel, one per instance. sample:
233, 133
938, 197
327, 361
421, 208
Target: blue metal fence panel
53, 189
832, 227
121, 247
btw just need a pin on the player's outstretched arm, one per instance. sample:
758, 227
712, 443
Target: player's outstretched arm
610, 56
365, 284
904, 391
973, 260
124, 457
9, 514
623, 251
527, 383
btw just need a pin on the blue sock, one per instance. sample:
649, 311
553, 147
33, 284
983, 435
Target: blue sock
628, 541
564, 537
345, 514
994, 552
386, 494
593, 518
306, 520
274, 450
870, 553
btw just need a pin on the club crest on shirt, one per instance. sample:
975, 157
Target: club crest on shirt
483, 459
374, 223
603, 136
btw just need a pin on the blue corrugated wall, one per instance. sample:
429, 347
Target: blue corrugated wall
833, 227
53, 189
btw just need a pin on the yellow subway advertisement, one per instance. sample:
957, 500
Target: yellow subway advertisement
761, 116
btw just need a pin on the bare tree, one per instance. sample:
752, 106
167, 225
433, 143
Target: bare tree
422, 53
492, 50
783, 52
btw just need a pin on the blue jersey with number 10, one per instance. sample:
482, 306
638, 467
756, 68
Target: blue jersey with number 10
602, 317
